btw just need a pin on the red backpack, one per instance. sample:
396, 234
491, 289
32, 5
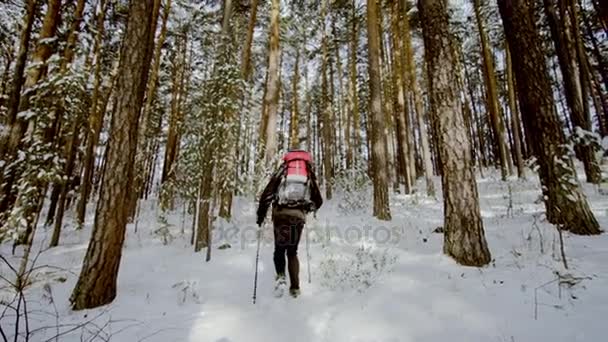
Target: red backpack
294, 189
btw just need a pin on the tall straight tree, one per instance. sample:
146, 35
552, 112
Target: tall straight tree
378, 144
24, 195
464, 237
562, 33
400, 106
565, 203
294, 141
414, 86
6, 191
95, 120
73, 141
326, 106
246, 55
489, 73
96, 285
515, 119
19, 71
271, 99
144, 141
43, 52
353, 89
171, 149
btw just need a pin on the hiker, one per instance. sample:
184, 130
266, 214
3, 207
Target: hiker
293, 193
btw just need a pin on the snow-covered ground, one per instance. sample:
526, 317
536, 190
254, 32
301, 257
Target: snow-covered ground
370, 280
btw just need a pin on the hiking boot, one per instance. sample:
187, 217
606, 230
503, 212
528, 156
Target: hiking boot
280, 285
294, 292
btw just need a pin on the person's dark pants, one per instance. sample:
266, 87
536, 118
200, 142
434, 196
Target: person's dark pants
287, 232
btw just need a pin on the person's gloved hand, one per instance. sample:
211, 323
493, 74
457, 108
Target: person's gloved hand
259, 221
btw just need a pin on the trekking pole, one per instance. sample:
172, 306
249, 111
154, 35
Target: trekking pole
308, 257
257, 259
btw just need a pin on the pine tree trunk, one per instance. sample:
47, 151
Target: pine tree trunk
246, 56
309, 128
600, 58
29, 192
378, 151
565, 46
333, 119
414, 87
294, 141
174, 120
53, 200
95, 119
228, 156
263, 120
204, 209
600, 103
348, 108
143, 139
400, 108
73, 141
354, 93
44, 50
464, 238
565, 203
602, 69
586, 79
340, 143
96, 285
272, 93
478, 120
492, 94
70, 152
515, 119
70, 48
18, 78
327, 124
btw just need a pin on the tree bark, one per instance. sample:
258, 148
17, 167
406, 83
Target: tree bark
565, 203
566, 49
95, 119
400, 106
204, 206
272, 95
143, 139
18, 76
414, 87
354, 93
294, 141
378, 152
326, 108
175, 117
44, 50
70, 152
29, 192
246, 56
496, 117
478, 120
464, 238
72, 141
515, 119
96, 285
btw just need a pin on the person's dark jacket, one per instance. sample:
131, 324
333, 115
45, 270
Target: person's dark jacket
269, 194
